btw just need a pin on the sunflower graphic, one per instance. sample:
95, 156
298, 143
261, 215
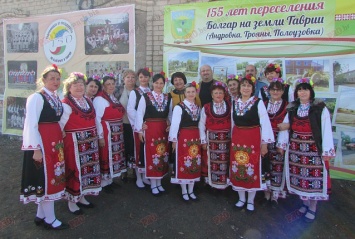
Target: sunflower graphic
193, 150
61, 154
241, 157
161, 149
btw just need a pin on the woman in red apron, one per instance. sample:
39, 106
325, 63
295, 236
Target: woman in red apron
185, 139
215, 127
81, 147
152, 113
109, 124
311, 147
250, 135
132, 105
43, 175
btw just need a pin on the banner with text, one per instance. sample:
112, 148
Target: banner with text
309, 39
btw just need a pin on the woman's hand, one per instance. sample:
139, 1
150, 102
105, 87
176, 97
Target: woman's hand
280, 151
144, 126
167, 128
283, 126
141, 137
173, 146
263, 150
204, 146
101, 143
63, 134
38, 156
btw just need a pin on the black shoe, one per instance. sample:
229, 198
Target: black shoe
90, 205
38, 221
108, 189
265, 202
49, 226
115, 185
274, 204
78, 212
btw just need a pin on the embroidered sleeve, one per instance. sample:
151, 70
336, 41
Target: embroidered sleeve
31, 136
202, 126
291, 96
66, 115
174, 128
131, 111
140, 115
327, 134
100, 105
267, 135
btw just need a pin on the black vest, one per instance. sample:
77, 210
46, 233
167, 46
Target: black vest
315, 118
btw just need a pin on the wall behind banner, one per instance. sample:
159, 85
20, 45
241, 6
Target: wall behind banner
149, 25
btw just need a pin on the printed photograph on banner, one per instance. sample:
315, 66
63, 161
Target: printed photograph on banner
99, 69
347, 147
345, 107
316, 70
15, 112
22, 38
22, 74
107, 34
344, 72
260, 65
186, 62
222, 66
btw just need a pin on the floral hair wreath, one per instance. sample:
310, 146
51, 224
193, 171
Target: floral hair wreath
80, 75
250, 77
96, 77
232, 77
193, 84
278, 79
149, 70
53, 67
306, 80
275, 66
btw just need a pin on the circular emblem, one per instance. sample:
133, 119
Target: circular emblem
59, 42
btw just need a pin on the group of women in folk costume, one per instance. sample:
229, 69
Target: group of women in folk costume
75, 147
61, 140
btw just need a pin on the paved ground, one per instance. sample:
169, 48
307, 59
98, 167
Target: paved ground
134, 213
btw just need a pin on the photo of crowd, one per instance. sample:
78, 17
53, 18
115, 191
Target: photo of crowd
22, 74
22, 37
107, 34
16, 109
98, 70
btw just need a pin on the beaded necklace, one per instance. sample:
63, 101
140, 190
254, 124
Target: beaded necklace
57, 106
74, 101
241, 109
159, 107
195, 116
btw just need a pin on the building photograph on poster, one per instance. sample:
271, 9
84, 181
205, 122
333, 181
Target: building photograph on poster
22, 38
260, 65
99, 69
186, 62
107, 34
344, 72
22, 74
15, 112
345, 107
221, 66
347, 147
316, 70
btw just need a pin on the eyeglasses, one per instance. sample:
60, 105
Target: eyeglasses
276, 90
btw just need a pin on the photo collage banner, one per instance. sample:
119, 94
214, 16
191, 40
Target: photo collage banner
309, 39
